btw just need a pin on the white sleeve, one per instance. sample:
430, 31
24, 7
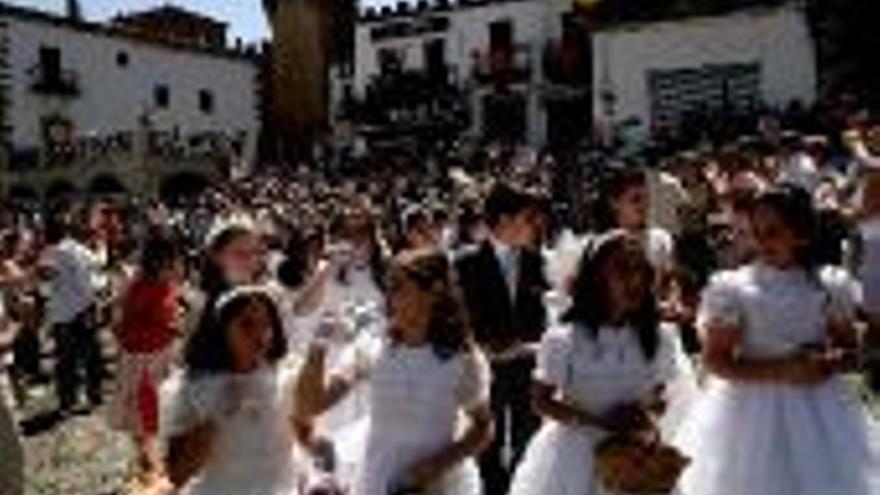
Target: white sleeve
675, 372
661, 249
474, 387
844, 295
187, 402
553, 358
720, 303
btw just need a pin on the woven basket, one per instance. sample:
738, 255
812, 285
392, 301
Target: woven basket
636, 467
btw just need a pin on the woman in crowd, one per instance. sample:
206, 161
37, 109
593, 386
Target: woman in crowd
626, 206
150, 321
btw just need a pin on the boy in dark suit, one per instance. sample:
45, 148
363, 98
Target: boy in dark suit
503, 283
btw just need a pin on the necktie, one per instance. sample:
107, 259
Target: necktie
510, 266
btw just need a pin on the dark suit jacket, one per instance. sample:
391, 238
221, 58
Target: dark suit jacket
498, 322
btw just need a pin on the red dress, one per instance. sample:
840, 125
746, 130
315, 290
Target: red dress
149, 317
146, 336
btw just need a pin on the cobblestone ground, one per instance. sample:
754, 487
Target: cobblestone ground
79, 456
82, 456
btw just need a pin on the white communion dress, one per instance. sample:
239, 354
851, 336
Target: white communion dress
595, 375
254, 451
417, 402
773, 439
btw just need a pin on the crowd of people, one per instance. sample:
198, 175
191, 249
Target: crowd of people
482, 325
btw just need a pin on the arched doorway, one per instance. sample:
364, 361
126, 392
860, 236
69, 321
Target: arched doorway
107, 186
60, 190
179, 188
23, 195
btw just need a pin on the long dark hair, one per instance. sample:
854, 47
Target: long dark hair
590, 300
449, 331
207, 350
794, 206
157, 253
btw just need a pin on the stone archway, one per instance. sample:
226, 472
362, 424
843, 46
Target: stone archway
106, 185
183, 186
61, 190
23, 193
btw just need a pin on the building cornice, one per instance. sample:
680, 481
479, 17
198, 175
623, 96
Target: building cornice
26, 14
413, 8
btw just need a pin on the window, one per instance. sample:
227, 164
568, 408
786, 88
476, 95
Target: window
50, 63
390, 60
501, 34
122, 59
435, 55
679, 94
206, 101
162, 96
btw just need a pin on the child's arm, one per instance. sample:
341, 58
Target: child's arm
721, 355
314, 393
477, 437
546, 404
188, 452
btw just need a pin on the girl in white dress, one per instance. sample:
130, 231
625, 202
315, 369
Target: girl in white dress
424, 380
601, 371
229, 416
776, 419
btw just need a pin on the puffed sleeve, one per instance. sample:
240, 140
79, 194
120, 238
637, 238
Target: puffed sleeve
720, 304
843, 295
187, 402
475, 382
552, 367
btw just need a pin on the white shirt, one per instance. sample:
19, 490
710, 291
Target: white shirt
659, 248
668, 196
800, 170
71, 290
508, 259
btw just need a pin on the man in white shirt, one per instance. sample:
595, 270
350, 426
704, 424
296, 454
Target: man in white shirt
68, 267
668, 198
797, 167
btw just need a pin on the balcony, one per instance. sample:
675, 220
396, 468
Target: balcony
568, 63
503, 65
63, 83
